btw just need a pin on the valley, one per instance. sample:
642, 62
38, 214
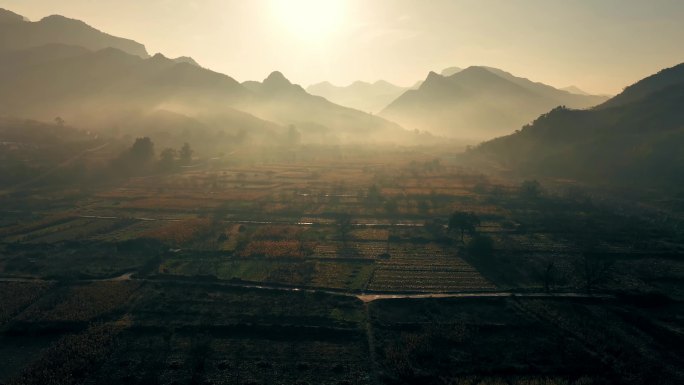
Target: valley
165, 218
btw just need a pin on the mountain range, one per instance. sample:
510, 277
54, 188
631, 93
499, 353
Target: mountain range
635, 138
478, 103
91, 78
364, 96
63, 67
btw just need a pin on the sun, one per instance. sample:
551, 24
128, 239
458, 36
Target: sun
309, 20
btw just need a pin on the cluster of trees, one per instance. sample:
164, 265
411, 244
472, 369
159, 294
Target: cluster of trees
140, 157
479, 245
170, 157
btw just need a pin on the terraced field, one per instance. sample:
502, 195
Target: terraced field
426, 269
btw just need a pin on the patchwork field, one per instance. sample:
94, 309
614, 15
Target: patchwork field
321, 272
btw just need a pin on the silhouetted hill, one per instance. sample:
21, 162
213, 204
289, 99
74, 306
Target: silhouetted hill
637, 142
9, 17
369, 97
478, 103
58, 79
663, 79
17, 33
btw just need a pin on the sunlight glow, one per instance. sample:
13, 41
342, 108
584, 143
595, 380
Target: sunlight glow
311, 21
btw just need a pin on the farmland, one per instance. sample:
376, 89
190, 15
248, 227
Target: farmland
259, 270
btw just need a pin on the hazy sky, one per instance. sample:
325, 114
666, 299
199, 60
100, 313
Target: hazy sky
598, 45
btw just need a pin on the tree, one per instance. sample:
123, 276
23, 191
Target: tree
549, 274
593, 269
142, 150
306, 243
530, 189
373, 196
344, 226
391, 207
167, 158
463, 222
185, 154
59, 121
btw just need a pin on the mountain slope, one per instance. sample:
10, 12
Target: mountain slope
110, 88
369, 97
16, 33
64, 79
626, 141
478, 103
663, 79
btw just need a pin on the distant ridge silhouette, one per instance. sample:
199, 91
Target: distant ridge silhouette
18, 33
478, 103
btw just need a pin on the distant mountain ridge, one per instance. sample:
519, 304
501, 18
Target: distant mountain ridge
17, 33
364, 96
287, 103
478, 103
451, 71
186, 59
634, 138
575, 90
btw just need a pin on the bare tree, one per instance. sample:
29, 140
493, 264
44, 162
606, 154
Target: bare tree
593, 269
463, 222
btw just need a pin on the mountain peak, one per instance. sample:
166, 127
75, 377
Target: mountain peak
7, 17
277, 79
59, 19
187, 60
433, 75
480, 69
432, 78
477, 103
359, 83
451, 71
323, 84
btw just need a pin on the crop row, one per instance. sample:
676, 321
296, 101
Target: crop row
14, 296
